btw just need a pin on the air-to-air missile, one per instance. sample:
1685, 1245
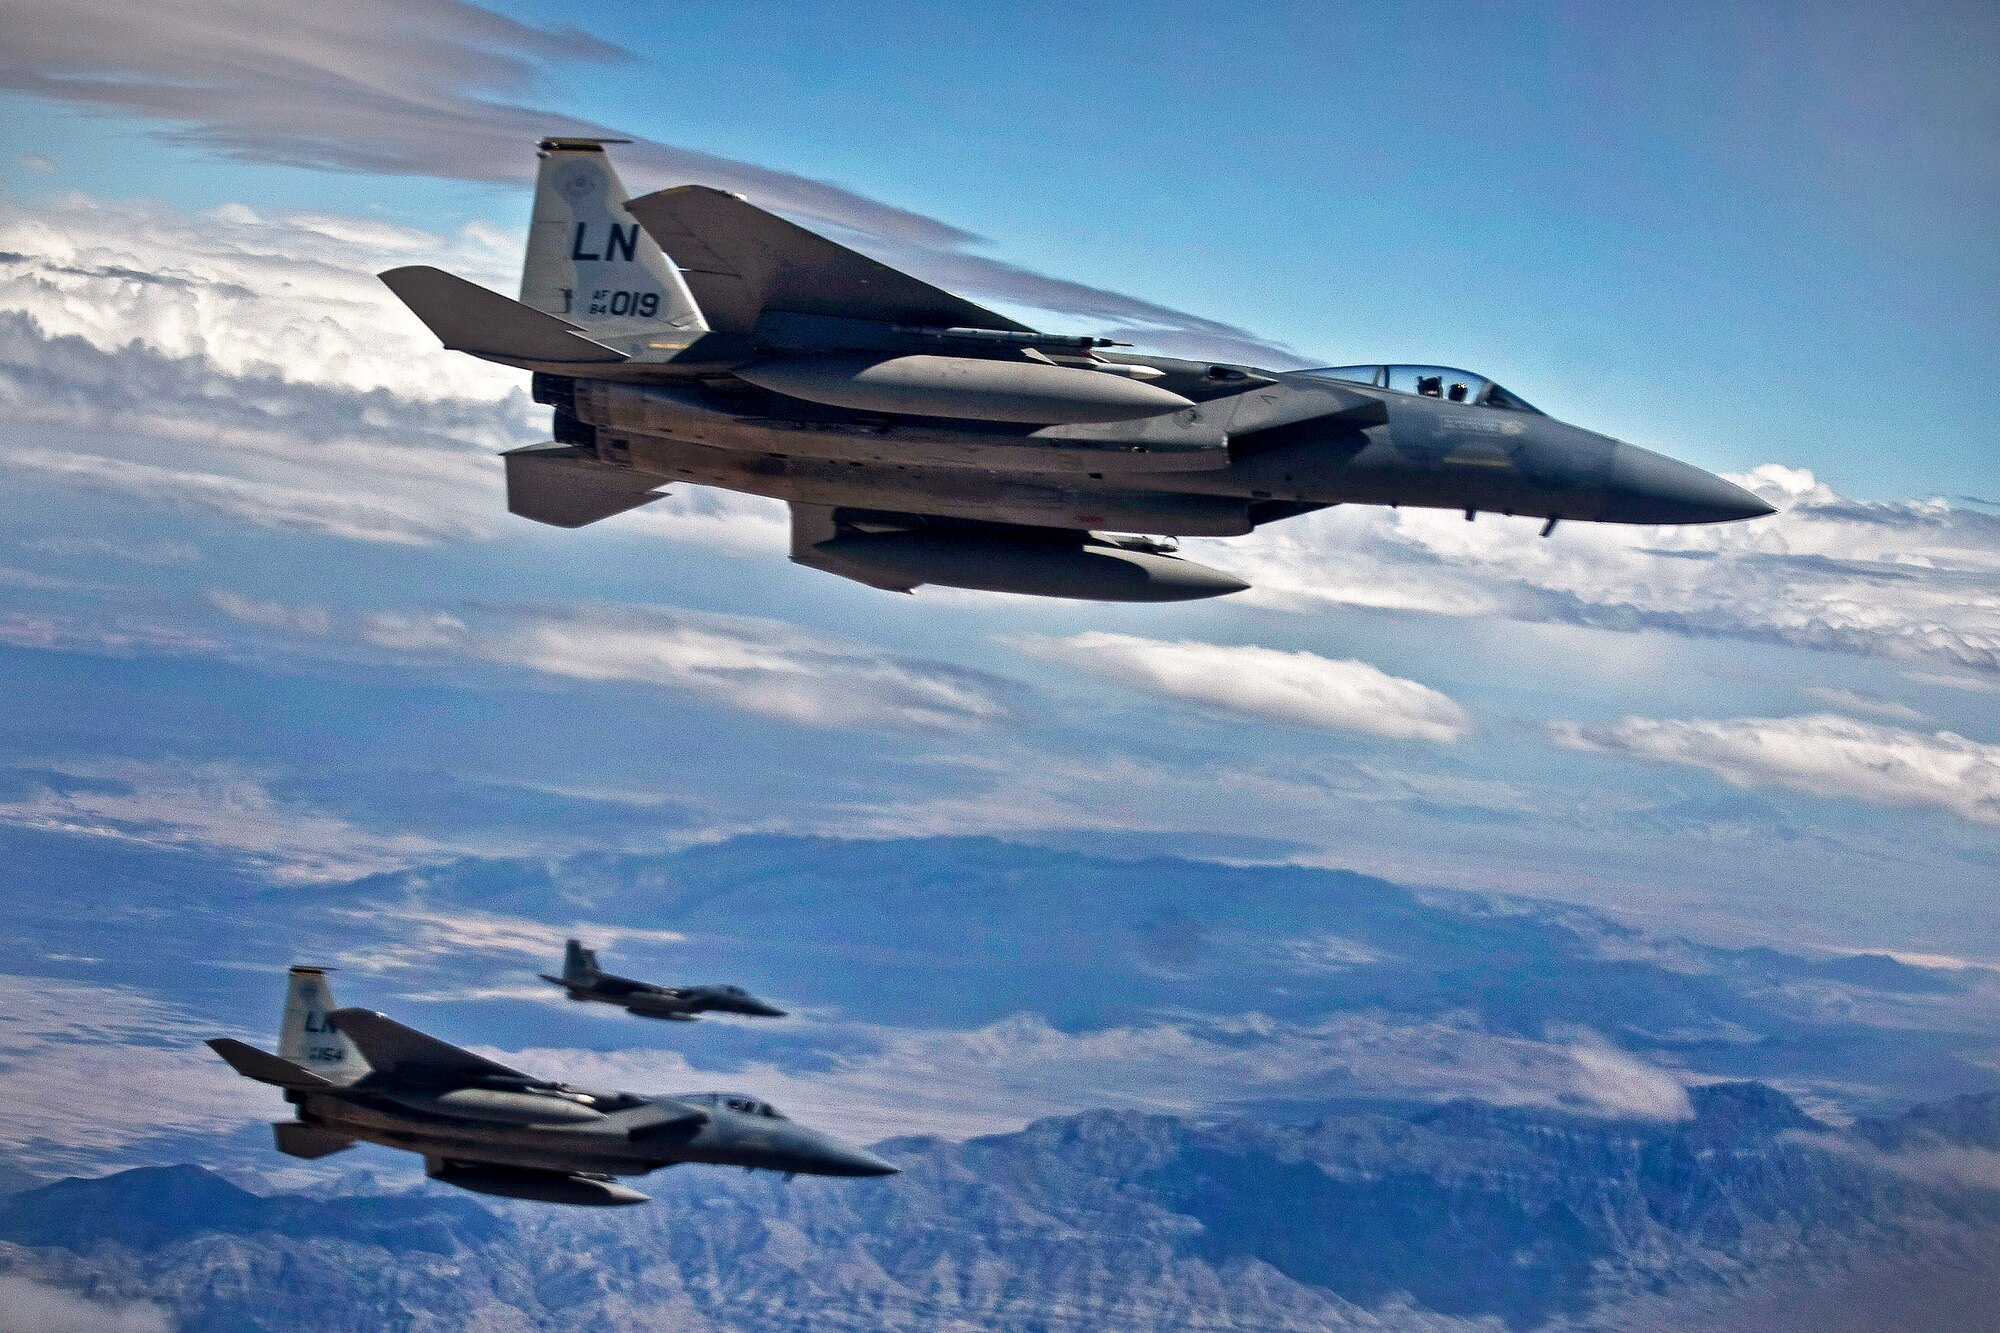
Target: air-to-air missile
583, 979
919, 438
358, 1076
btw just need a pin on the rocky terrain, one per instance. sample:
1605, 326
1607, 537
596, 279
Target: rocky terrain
1750, 1213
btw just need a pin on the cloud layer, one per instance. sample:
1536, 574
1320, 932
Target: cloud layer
1822, 754
1300, 689
1916, 581
958, 1083
59, 1038
751, 663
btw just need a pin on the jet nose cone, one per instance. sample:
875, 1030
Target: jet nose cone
844, 1159
1645, 487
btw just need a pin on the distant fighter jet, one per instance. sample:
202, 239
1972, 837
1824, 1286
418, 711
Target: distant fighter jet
356, 1075
919, 438
582, 978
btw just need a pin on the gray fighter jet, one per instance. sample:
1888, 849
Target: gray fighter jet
584, 980
355, 1075
920, 438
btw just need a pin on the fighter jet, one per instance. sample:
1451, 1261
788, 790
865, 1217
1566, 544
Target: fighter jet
355, 1075
919, 438
584, 980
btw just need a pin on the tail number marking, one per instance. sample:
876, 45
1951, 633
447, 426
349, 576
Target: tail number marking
606, 302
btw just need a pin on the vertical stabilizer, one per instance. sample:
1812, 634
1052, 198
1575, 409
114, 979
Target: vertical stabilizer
307, 1038
579, 963
589, 261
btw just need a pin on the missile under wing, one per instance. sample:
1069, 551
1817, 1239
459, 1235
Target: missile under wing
355, 1076
690, 336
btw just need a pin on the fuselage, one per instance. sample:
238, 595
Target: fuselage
571, 1130
1255, 446
671, 1002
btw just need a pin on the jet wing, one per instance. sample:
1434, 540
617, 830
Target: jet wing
404, 1053
740, 261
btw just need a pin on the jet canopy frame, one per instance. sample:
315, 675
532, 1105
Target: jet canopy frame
1446, 382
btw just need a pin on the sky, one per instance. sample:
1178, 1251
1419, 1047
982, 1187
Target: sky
259, 595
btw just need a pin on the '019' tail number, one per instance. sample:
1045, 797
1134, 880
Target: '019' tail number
643, 304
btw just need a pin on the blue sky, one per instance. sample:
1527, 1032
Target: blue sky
1741, 238
260, 600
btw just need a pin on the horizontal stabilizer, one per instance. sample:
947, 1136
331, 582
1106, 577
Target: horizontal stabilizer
308, 1141
566, 488
740, 261
250, 1062
405, 1054
468, 318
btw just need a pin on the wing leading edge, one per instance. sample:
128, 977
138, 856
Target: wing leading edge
405, 1054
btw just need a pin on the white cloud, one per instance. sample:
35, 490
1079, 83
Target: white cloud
271, 615
77, 547
41, 162
1913, 580
1821, 753
57, 1038
746, 662
122, 637
287, 297
1299, 688
50, 1309
431, 935
1848, 701
215, 806
763, 666
265, 504
959, 1083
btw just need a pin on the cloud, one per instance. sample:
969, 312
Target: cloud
763, 666
49, 1309
1847, 701
1298, 688
81, 548
263, 504
214, 806
58, 1037
963, 1082
1821, 754
41, 162
1917, 581
432, 935
444, 88
750, 663
251, 366
121, 637
271, 615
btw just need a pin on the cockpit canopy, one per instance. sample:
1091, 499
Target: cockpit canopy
1454, 386
737, 1102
